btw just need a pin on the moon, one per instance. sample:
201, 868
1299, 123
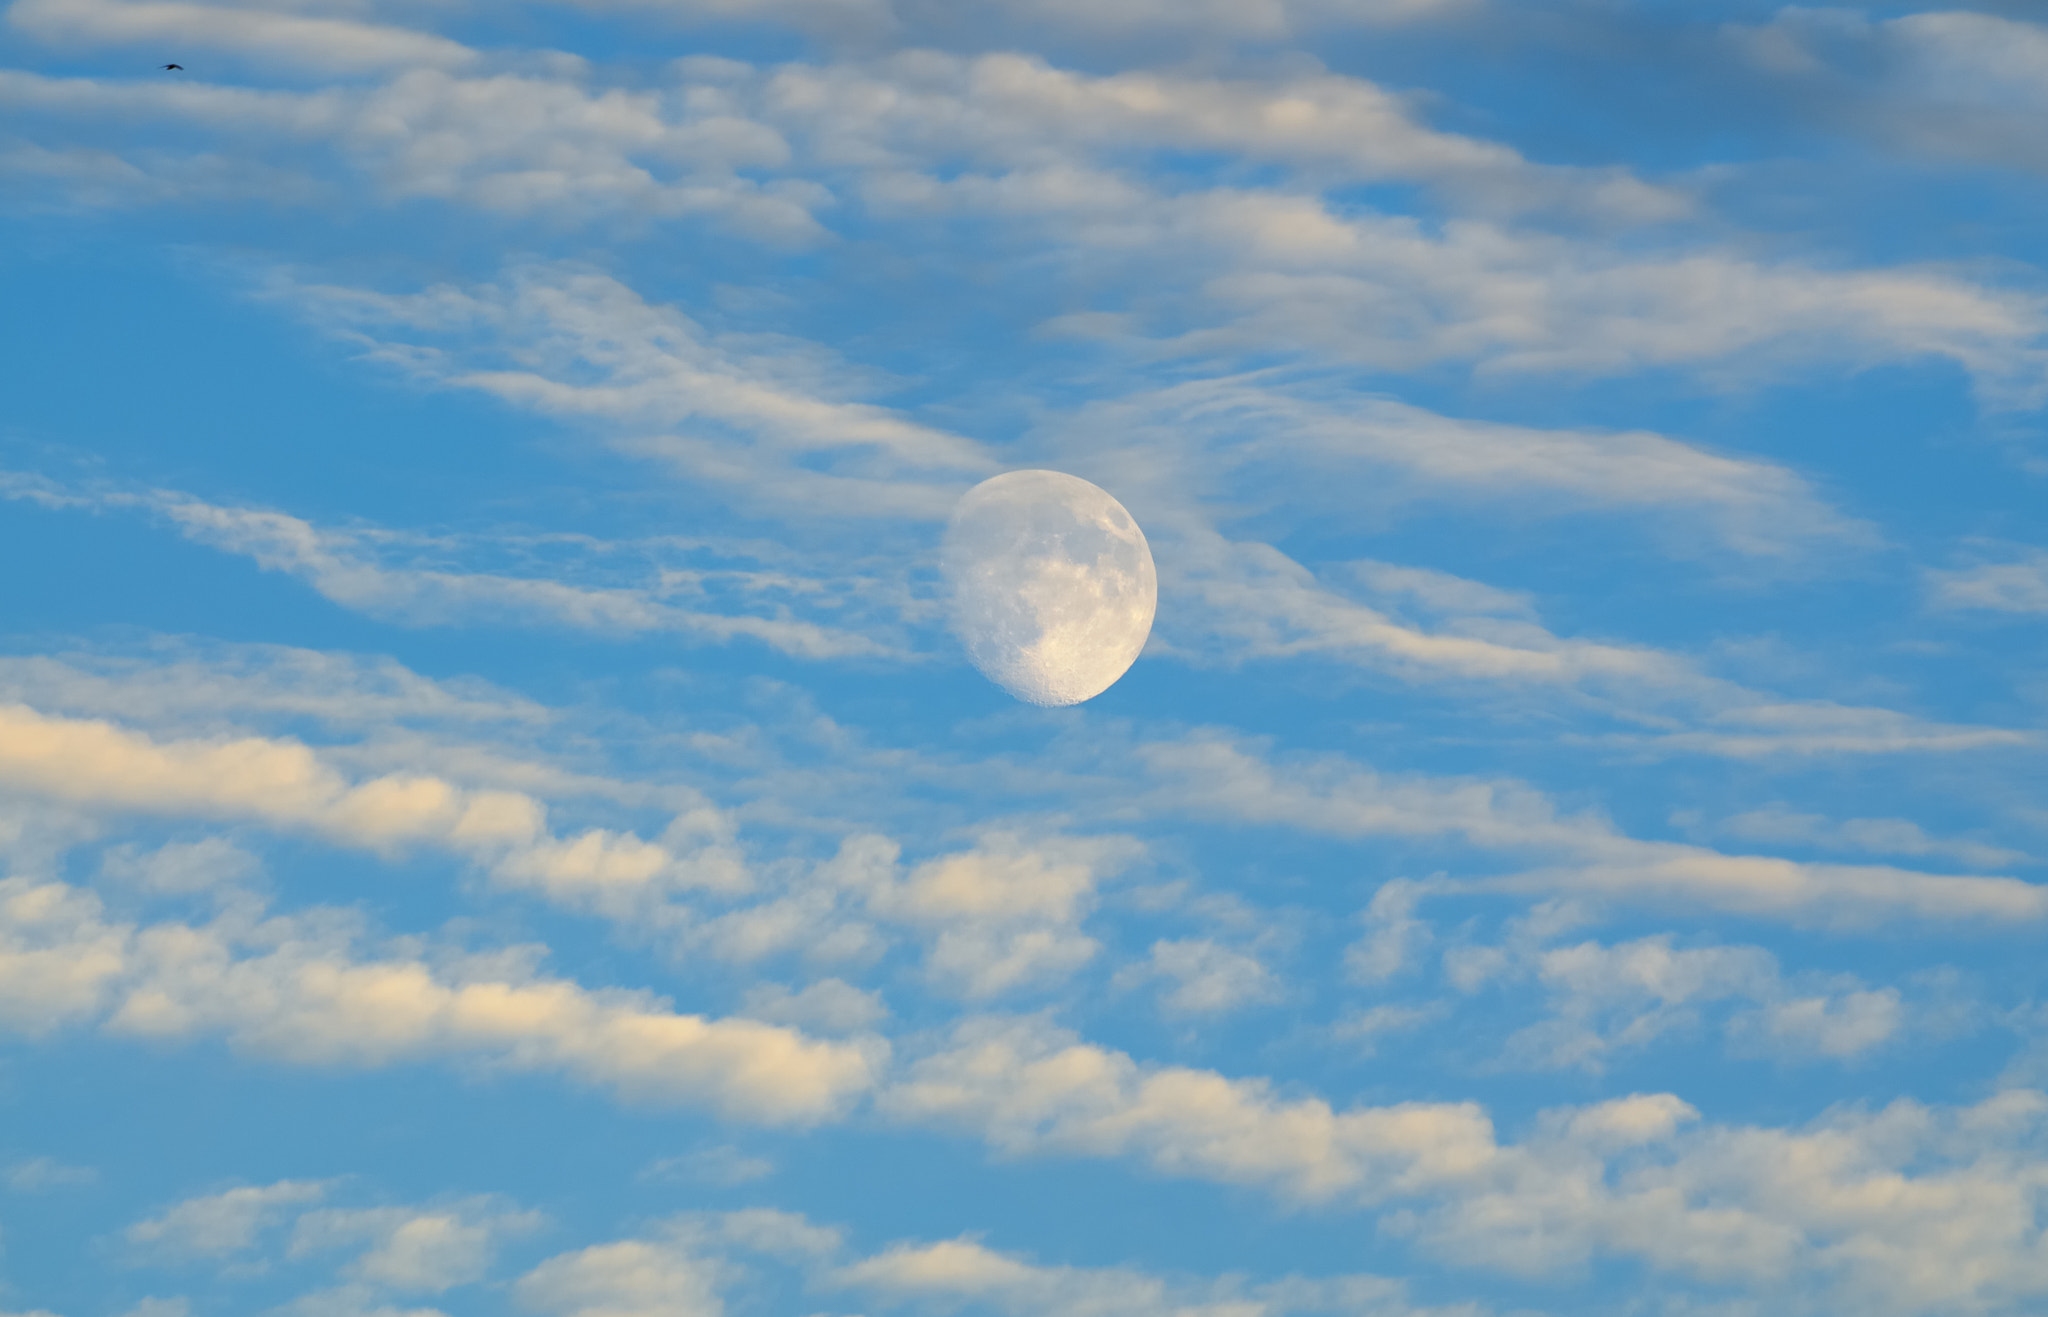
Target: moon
1053, 587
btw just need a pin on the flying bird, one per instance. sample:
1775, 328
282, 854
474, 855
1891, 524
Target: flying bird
179, 67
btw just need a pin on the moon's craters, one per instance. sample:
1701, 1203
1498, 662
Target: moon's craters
1053, 585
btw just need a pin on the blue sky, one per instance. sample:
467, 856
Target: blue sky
494, 820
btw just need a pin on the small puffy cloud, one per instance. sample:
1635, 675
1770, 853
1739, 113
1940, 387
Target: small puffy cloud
1393, 937
1205, 977
1001, 883
155, 1307
412, 1249
181, 868
1630, 1121
980, 962
1604, 999
829, 1005
43, 1173
1840, 1026
633, 1278
954, 1267
1005, 915
1363, 1029
225, 1223
58, 961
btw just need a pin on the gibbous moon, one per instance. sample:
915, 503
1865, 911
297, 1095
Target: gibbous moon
1053, 585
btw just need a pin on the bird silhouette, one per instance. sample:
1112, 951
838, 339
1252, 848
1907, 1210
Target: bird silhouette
179, 67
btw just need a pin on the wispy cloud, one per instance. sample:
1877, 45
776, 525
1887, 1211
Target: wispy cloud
1253, 439
508, 144
2019, 585
317, 43
748, 410
1950, 84
350, 567
1213, 776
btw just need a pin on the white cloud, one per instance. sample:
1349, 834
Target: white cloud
1726, 1203
294, 990
285, 784
1902, 1210
1026, 1087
